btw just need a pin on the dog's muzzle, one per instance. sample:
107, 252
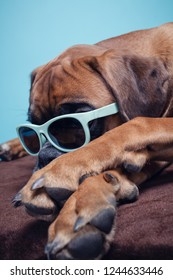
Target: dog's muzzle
46, 155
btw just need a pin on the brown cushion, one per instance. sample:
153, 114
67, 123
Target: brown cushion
144, 228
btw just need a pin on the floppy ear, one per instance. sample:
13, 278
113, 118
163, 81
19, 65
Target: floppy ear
139, 84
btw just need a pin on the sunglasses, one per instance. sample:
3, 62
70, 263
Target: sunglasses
66, 133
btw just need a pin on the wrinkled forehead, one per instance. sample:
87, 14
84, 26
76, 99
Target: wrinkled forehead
67, 77
65, 58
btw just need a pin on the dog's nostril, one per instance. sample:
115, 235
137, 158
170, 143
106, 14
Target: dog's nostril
47, 155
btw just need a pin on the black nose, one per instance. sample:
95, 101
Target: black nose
46, 155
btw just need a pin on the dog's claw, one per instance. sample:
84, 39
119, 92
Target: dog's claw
47, 251
17, 200
80, 222
53, 255
58, 194
38, 184
53, 248
103, 220
86, 245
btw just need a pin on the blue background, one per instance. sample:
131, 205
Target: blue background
34, 31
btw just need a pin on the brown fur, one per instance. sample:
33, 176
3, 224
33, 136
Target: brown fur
136, 71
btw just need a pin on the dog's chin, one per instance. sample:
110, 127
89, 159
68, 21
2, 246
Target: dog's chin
46, 155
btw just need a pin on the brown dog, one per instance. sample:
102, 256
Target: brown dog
136, 71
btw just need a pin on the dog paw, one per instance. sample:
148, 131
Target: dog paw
11, 150
37, 203
49, 187
85, 226
40, 205
47, 190
128, 192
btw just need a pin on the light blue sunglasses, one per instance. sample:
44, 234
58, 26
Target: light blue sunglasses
66, 133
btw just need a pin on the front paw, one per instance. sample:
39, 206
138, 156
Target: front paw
45, 192
37, 204
49, 187
85, 226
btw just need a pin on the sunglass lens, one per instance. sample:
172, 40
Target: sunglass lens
30, 139
67, 133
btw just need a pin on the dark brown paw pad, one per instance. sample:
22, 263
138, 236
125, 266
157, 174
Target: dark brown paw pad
85, 246
104, 220
132, 168
36, 210
59, 194
131, 197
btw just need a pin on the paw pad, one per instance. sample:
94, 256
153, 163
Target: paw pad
38, 210
86, 246
59, 194
104, 220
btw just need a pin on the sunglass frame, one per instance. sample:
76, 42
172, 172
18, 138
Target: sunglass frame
84, 118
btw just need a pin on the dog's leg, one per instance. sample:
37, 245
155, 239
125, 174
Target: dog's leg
130, 145
12, 150
85, 226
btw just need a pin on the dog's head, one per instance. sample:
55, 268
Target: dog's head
86, 77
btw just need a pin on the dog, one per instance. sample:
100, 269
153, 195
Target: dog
79, 190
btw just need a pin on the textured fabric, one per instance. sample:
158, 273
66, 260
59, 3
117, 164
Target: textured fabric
144, 228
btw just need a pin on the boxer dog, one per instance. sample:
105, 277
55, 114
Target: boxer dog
106, 112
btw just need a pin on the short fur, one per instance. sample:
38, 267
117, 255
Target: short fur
136, 71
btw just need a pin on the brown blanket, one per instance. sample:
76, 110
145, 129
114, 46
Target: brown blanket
144, 228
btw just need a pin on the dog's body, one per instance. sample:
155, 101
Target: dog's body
136, 71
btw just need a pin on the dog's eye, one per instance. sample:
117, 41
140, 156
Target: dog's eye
70, 123
71, 108
66, 123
